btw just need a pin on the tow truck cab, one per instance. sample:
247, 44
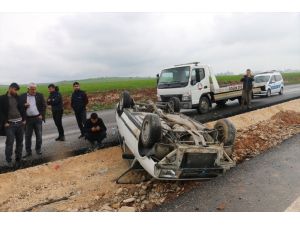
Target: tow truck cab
186, 83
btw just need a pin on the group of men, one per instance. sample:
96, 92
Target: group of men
25, 114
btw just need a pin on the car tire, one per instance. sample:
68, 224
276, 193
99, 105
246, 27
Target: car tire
268, 93
204, 105
125, 102
281, 91
151, 130
226, 133
175, 102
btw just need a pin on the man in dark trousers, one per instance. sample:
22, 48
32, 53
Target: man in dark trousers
12, 121
35, 106
79, 102
56, 103
95, 130
247, 89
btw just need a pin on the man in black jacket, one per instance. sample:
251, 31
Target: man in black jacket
95, 130
35, 106
247, 89
79, 102
12, 118
56, 103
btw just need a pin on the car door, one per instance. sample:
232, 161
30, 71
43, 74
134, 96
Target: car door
197, 88
278, 83
272, 84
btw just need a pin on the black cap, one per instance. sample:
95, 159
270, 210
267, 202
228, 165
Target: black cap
14, 85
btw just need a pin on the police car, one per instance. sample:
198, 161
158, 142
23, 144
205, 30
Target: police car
272, 83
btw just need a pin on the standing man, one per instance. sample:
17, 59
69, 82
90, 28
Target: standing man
12, 118
95, 130
157, 78
247, 89
79, 102
35, 107
56, 103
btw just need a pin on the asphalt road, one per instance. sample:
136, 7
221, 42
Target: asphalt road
53, 150
233, 108
270, 182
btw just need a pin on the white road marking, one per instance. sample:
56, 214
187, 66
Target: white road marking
295, 206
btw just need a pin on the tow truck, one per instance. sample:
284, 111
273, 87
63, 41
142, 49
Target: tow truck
194, 86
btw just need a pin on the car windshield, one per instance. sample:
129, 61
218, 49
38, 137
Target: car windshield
174, 77
260, 79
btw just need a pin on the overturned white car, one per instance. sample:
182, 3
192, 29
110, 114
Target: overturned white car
172, 146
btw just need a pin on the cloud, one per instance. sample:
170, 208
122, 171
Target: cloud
53, 47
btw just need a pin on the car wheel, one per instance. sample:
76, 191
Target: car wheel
125, 102
268, 93
204, 105
226, 134
281, 91
175, 104
151, 130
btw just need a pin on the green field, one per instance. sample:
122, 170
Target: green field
95, 85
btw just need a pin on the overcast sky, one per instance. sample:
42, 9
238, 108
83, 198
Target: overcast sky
54, 47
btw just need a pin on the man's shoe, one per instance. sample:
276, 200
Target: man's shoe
27, 156
9, 164
81, 136
18, 164
93, 147
62, 138
57, 139
39, 152
100, 145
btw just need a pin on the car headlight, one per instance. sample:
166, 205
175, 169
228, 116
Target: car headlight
186, 97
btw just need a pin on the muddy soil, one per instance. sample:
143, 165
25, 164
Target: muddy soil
107, 99
87, 182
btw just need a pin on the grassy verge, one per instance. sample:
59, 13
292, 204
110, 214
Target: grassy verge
95, 85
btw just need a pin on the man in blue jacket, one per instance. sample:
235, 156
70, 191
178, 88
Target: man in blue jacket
79, 102
247, 89
56, 102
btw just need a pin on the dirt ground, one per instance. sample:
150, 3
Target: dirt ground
106, 99
87, 182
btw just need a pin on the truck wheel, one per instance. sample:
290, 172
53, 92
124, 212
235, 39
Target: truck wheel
268, 93
204, 105
125, 102
151, 130
175, 103
226, 133
221, 103
281, 91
